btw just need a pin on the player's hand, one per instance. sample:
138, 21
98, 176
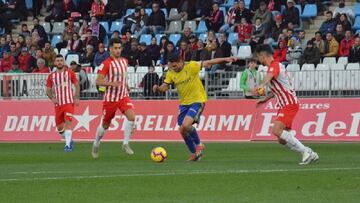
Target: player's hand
231, 59
77, 102
155, 88
116, 84
254, 91
260, 101
54, 100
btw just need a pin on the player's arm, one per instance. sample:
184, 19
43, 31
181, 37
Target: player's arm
209, 63
162, 88
268, 77
77, 93
100, 81
265, 99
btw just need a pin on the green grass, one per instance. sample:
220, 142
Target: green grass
229, 172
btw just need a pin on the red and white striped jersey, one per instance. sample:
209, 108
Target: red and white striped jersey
281, 85
115, 70
61, 85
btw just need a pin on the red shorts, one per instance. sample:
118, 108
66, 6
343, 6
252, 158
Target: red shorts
64, 113
287, 114
110, 108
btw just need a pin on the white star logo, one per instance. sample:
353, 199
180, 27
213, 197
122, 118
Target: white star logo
84, 120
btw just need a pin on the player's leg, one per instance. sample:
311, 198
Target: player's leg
185, 128
109, 109
195, 112
127, 108
68, 114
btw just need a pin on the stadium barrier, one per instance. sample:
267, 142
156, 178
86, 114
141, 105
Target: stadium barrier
220, 85
222, 120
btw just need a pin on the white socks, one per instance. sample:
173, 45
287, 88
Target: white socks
100, 131
67, 135
61, 132
128, 131
292, 142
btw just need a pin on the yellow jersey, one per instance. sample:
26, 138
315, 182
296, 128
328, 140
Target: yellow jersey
188, 83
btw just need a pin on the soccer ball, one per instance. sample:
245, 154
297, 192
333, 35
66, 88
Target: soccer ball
158, 154
261, 91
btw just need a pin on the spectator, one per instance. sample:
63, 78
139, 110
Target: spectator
302, 41
98, 9
144, 56
6, 62
211, 36
97, 30
67, 34
328, 25
203, 8
26, 61
36, 40
234, 16
185, 35
132, 22
216, 18
88, 56
250, 79
319, 42
154, 50
344, 10
39, 54
144, 17
186, 9
41, 66
21, 41
126, 41
83, 29
244, 31
346, 44
32, 51
84, 8
339, 33
114, 9
354, 56
163, 44
14, 51
115, 34
263, 14
24, 30
291, 14
3, 46
83, 78
101, 55
294, 52
214, 51
244, 13
193, 43
201, 53
258, 34
184, 51
14, 9
156, 23
281, 51
331, 47
343, 20
149, 80
90, 40
49, 54
311, 54
75, 44
15, 68
133, 55
40, 29
276, 28
170, 48
60, 11
224, 45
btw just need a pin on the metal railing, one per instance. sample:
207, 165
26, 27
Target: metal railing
220, 85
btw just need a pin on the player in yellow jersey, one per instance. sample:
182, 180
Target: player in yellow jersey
192, 95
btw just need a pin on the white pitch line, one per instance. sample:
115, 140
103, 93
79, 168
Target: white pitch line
172, 173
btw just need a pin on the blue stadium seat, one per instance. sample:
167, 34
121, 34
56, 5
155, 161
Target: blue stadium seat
116, 25
223, 9
310, 11
129, 11
105, 24
229, 3
158, 37
175, 38
201, 28
165, 12
203, 36
146, 38
55, 39
106, 41
2, 31
29, 4
247, 3
357, 32
233, 37
283, 7
148, 11
356, 25
357, 9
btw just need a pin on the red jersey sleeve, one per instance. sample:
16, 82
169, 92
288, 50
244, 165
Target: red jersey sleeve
73, 77
274, 69
49, 81
104, 68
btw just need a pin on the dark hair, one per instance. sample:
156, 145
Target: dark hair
226, 35
114, 41
329, 12
318, 32
170, 42
59, 56
174, 57
263, 48
35, 18
23, 25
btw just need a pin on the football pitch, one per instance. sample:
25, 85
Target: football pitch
229, 172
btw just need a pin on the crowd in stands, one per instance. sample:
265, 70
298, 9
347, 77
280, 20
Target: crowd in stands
262, 22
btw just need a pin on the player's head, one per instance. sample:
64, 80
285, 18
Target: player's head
115, 47
59, 61
175, 62
264, 53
